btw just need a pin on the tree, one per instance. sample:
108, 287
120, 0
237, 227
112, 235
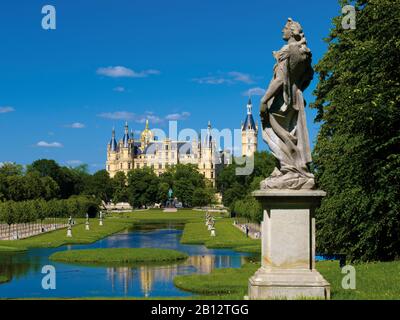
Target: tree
357, 155
11, 169
119, 183
100, 186
142, 187
162, 195
233, 186
202, 197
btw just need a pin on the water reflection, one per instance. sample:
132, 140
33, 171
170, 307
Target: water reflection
149, 275
98, 281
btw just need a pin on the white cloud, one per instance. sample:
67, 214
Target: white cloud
44, 144
130, 116
6, 109
74, 162
231, 77
241, 77
123, 72
117, 115
254, 92
177, 116
119, 89
76, 125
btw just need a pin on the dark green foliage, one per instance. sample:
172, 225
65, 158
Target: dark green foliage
30, 211
357, 156
119, 183
236, 189
249, 208
202, 197
99, 185
142, 187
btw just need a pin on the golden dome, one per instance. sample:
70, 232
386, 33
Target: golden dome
146, 136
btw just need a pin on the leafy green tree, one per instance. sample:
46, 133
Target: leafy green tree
234, 187
100, 185
120, 188
162, 195
202, 197
142, 187
249, 208
11, 169
357, 155
184, 190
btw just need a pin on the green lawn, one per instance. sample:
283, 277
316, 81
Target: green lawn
119, 255
158, 216
79, 235
11, 249
227, 236
3, 278
374, 281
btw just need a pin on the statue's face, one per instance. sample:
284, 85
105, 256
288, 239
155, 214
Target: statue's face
286, 33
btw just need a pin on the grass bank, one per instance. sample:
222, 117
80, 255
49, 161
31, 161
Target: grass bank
11, 249
4, 279
158, 216
227, 236
119, 255
374, 281
79, 235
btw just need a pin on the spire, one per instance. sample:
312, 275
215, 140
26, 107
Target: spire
249, 123
147, 124
125, 140
113, 142
249, 107
132, 134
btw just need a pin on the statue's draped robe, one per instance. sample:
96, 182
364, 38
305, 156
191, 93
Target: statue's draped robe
284, 124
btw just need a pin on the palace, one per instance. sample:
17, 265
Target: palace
128, 153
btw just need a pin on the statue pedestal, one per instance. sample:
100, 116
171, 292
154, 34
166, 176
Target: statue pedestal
288, 247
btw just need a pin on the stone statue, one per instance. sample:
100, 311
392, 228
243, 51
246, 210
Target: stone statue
283, 115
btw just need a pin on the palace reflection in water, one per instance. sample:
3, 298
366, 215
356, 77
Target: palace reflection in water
124, 277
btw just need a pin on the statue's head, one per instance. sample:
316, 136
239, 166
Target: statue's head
292, 29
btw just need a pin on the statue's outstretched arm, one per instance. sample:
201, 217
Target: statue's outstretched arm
273, 89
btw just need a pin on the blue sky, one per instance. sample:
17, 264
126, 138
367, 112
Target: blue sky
61, 93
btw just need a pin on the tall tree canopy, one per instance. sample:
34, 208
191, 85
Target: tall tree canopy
357, 155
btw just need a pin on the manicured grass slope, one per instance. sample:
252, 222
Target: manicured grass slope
374, 281
158, 216
11, 249
227, 236
4, 278
119, 255
79, 235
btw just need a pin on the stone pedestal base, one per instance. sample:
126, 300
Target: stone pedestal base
288, 247
288, 284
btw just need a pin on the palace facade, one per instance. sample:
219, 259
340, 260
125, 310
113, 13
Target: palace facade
129, 153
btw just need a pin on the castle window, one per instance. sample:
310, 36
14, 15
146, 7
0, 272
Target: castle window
166, 147
159, 166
